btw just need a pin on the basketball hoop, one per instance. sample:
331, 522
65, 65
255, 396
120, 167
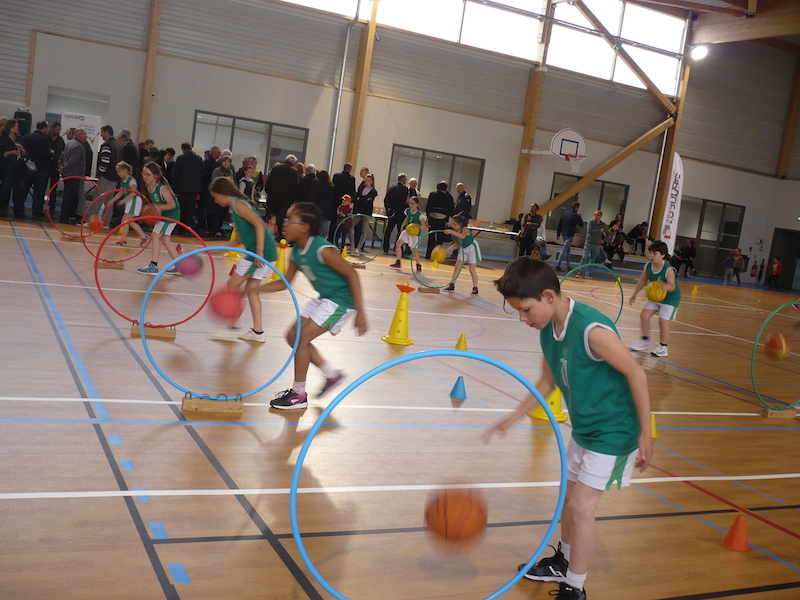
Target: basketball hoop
575, 161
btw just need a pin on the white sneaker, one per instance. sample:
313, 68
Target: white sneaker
226, 333
252, 336
660, 351
640, 346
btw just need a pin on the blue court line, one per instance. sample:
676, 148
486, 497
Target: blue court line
179, 574
664, 500
62, 328
780, 560
159, 531
141, 498
127, 464
115, 439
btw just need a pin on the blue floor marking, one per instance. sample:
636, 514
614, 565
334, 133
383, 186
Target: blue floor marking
141, 498
115, 439
780, 560
179, 574
159, 531
127, 464
644, 489
62, 328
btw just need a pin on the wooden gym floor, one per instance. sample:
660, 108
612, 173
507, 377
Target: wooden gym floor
108, 491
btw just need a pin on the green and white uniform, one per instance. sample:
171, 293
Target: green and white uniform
157, 197
417, 218
335, 305
599, 399
468, 250
668, 307
133, 202
247, 233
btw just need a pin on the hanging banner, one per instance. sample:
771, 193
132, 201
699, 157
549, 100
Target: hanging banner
89, 123
669, 226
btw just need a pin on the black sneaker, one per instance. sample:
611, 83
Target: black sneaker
289, 399
553, 568
567, 592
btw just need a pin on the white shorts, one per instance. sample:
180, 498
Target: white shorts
411, 240
133, 206
246, 268
598, 471
469, 254
327, 314
164, 227
664, 311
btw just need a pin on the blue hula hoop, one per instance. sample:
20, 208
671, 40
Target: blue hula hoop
381, 368
209, 250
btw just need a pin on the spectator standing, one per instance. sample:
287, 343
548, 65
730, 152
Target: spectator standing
210, 163
438, 210
217, 213
308, 186
324, 200
186, 179
108, 157
130, 155
281, 187
73, 163
463, 205
569, 222
773, 272
11, 150
364, 205
395, 204
39, 149
738, 265
593, 252
412, 189
169, 162
57, 145
344, 184
528, 237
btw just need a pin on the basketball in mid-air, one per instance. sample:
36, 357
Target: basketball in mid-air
227, 305
439, 254
190, 266
95, 222
456, 515
777, 345
412, 229
148, 210
655, 291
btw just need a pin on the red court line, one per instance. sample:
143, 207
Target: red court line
731, 504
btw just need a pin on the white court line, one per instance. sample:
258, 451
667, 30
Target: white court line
356, 406
359, 489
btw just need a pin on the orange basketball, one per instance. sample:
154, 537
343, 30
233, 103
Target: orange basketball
226, 305
777, 345
95, 222
148, 210
456, 515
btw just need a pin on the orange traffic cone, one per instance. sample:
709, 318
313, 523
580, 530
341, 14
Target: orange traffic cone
736, 538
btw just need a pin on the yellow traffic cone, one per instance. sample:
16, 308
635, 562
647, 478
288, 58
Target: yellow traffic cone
653, 430
398, 330
344, 251
232, 253
280, 264
554, 400
694, 291
461, 344
234, 235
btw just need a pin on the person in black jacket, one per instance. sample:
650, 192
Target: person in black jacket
37, 149
308, 189
281, 187
687, 254
439, 209
395, 204
186, 181
205, 210
343, 184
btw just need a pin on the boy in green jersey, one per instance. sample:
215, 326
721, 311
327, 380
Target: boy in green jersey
340, 299
605, 390
658, 269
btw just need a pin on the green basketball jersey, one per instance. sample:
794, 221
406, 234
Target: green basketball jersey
125, 184
329, 283
414, 217
674, 297
247, 233
467, 241
598, 397
156, 197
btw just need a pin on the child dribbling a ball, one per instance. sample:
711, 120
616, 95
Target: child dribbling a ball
658, 269
414, 216
468, 252
132, 201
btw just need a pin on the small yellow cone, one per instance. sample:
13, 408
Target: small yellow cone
280, 264
435, 264
653, 430
554, 400
398, 330
461, 344
344, 251
234, 235
694, 291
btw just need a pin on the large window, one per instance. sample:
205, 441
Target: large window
715, 228
609, 197
430, 167
268, 142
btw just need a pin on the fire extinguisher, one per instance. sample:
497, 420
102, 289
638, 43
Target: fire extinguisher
754, 268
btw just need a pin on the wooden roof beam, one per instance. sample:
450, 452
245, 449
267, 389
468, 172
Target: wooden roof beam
774, 18
695, 6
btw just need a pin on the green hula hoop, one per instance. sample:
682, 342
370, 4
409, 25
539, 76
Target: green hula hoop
753, 360
617, 280
414, 270
336, 238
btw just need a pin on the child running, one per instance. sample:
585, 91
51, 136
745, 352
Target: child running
468, 251
605, 390
133, 204
254, 237
414, 216
339, 299
162, 196
658, 269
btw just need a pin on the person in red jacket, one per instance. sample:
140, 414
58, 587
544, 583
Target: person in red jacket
773, 271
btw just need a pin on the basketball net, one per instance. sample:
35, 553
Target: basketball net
575, 161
